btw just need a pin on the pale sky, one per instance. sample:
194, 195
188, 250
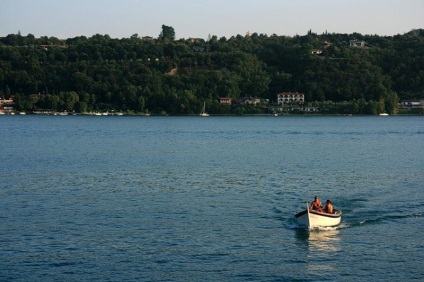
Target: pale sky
200, 18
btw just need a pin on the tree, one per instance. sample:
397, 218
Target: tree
392, 102
177, 76
167, 35
68, 100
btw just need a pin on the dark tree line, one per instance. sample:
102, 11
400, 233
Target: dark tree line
165, 75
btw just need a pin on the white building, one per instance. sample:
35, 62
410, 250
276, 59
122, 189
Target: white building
356, 43
290, 97
411, 104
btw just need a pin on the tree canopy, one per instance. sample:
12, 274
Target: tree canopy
166, 75
167, 34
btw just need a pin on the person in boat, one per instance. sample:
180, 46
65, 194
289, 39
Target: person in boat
316, 205
328, 207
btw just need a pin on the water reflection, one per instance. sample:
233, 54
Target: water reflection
322, 246
324, 240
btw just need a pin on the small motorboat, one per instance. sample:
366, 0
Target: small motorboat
312, 218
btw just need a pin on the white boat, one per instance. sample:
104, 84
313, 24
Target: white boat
204, 113
383, 114
312, 219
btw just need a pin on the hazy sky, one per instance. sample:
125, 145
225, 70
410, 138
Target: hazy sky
199, 18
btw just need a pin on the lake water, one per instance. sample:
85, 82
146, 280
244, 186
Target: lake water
209, 199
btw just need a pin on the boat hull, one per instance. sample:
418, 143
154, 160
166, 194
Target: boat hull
311, 219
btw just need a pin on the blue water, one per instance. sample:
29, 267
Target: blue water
209, 199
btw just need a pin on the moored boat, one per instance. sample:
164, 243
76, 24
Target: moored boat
204, 113
312, 219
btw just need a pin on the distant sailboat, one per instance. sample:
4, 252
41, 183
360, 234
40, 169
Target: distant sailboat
204, 113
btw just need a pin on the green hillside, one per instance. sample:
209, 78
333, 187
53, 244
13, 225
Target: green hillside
164, 75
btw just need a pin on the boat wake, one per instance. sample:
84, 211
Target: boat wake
292, 224
322, 228
355, 222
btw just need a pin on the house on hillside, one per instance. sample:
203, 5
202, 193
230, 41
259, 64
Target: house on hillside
6, 101
327, 44
225, 100
195, 40
6, 106
356, 43
254, 101
290, 97
411, 104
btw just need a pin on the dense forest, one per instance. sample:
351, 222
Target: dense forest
163, 75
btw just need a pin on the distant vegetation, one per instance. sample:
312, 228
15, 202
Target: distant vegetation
167, 76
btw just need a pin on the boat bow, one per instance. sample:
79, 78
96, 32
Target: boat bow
312, 218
